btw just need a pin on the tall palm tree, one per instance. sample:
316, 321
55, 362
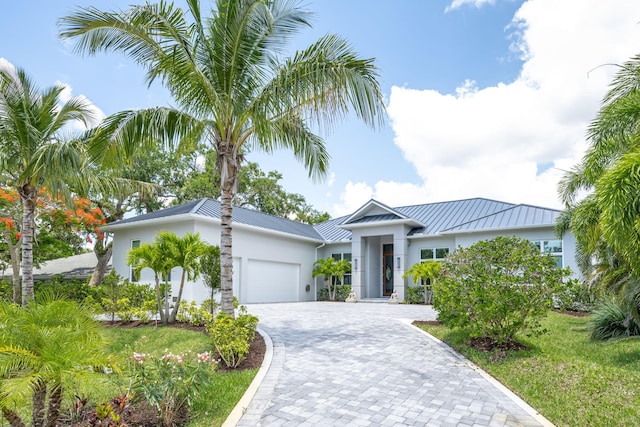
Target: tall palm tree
34, 154
235, 92
43, 348
333, 271
423, 272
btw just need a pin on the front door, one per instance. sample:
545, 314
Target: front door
387, 270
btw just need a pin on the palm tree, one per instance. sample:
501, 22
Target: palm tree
33, 152
333, 271
185, 252
424, 272
234, 91
154, 256
605, 222
43, 348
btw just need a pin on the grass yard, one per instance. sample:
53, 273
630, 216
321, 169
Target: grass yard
570, 379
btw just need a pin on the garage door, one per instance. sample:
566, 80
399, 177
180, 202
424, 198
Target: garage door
270, 281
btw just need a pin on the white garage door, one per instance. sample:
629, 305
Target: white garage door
270, 281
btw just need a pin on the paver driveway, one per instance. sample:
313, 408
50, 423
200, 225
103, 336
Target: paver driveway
338, 364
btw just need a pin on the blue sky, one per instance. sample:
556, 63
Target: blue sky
486, 98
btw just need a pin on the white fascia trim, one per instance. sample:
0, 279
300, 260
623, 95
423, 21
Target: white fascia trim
407, 221
153, 221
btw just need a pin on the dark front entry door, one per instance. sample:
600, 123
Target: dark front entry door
387, 270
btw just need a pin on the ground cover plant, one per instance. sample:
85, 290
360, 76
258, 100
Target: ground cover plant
568, 377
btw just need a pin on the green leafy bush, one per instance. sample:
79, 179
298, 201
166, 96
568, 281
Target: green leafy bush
190, 312
497, 288
73, 289
6, 290
575, 296
342, 292
171, 382
123, 299
232, 337
414, 294
612, 319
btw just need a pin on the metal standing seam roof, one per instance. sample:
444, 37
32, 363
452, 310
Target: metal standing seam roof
443, 217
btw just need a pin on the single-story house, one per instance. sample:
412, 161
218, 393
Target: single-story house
273, 257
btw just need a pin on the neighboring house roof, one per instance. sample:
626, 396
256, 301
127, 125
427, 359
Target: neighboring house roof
73, 267
470, 215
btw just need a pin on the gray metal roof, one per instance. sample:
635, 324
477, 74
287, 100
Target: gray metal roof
444, 217
515, 217
211, 208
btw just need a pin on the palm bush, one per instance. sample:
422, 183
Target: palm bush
611, 319
43, 348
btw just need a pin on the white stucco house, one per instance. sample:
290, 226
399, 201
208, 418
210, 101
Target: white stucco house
273, 257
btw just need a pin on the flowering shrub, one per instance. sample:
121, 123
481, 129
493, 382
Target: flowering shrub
231, 337
171, 382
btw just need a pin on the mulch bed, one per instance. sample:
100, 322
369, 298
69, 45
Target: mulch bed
573, 313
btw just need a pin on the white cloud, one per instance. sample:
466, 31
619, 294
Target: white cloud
457, 4
494, 141
97, 114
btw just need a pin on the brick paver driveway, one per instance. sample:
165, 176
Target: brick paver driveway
339, 364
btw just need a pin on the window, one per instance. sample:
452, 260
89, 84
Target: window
551, 247
132, 274
346, 279
430, 254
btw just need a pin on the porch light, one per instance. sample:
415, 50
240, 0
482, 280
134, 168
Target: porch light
355, 264
398, 263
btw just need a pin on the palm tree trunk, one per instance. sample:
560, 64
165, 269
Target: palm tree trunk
55, 402
159, 299
165, 319
13, 418
103, 253
226, 256
38, 412
228, 162
174, 313
14, 255
28, 196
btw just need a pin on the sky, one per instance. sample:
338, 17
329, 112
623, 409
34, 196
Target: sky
485, 98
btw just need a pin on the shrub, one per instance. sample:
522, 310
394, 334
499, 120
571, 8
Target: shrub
126, 300
231, 337
497, 288
342, 293
190, 312
414, 295
170, 382
573, 295
73, 289
611, 319
6, 290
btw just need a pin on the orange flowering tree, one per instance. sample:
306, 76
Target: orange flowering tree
61, 230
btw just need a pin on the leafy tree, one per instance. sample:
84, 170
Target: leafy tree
210, 270
424, 272
61, 231
33, 152
235, 92
332, 270
497, 288
43, 348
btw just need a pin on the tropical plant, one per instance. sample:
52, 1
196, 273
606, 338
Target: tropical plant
224, 70
497, 288
333, 271
425, 273
43, 348
605, 222
210, 270
611, 319
33, 152
165, 253
232, 337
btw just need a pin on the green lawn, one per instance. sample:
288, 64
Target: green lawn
214, 406
570, 379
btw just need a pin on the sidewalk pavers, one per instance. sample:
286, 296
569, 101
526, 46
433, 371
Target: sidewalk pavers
338, 364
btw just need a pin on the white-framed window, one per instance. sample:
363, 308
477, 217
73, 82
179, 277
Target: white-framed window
346, 279
552, 247
133, 277
433, 254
